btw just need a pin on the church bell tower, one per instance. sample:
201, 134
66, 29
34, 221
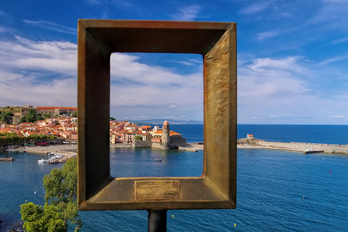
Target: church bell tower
165, 135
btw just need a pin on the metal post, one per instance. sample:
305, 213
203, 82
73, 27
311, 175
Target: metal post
157, 220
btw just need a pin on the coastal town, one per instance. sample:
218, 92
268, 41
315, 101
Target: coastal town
50, 130
60, 126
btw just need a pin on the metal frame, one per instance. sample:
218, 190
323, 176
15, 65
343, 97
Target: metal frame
216, 42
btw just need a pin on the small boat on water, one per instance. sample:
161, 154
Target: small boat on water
41, 161
50, 160
158, 160
309, 151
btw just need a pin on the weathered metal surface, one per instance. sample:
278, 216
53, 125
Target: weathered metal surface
157, 190
216, 42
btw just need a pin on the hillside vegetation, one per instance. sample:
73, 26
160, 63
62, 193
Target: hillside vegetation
11, 109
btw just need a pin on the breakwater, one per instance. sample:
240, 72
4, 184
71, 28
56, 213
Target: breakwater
293, 146
7, 159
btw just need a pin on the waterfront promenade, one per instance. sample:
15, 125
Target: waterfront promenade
70, 150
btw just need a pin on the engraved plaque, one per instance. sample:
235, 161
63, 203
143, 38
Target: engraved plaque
157, 190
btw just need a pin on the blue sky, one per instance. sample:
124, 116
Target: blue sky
292, 59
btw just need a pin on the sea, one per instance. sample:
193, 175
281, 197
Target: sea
276, 190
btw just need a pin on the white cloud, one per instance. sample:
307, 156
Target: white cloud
5, 29
106, 7
343, 40
139, 89
266, 35
333, 60
55, 57
124, 3
19, 89
52, 26
289, 64
288, 90
44, 73
255, 8
187, 13
189, 62
332, 15
140, 84
26, 68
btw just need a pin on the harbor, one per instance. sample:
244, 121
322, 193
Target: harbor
269, 179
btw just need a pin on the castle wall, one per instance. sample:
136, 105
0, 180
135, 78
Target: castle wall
156, 145
177, 140
142, 144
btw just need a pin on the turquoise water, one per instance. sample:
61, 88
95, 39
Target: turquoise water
276, 190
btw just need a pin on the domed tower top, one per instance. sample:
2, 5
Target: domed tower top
166, 123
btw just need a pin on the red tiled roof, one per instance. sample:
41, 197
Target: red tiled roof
55, 107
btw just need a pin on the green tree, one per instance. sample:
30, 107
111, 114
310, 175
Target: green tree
60, 202
138, 138
42, 137
47, 115
50, 219
23, 119
33, 138
52, 137
6, 117
32, 112
31, 116
40, 117
13, 137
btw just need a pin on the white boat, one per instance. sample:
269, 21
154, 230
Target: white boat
41, 161
52, 158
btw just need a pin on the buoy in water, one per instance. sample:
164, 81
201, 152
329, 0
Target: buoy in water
172, 215
235, 224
